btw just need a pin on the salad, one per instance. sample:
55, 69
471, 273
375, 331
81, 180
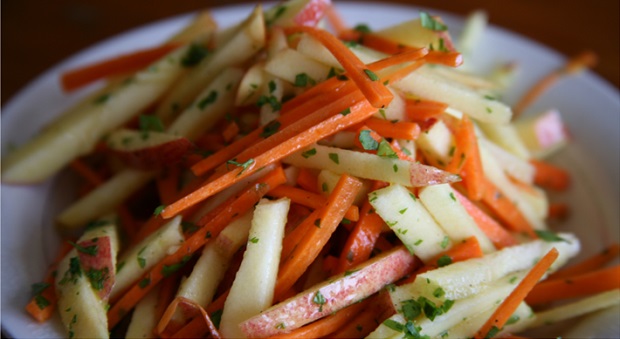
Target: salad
278, 179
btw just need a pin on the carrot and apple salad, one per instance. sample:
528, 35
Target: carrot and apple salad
295, 176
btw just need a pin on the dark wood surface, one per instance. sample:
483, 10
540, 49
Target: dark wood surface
37, 34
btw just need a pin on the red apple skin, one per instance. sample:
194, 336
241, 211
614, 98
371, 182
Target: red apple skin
102, 260
156, 156
337, 293
424, 175
550, 129
312, 13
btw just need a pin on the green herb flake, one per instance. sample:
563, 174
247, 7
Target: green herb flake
90, 250
167, 270
429, 22
403, 211
281, 326
307, 154
385, 150
41, 301
319, 299
362, 28
513, 319
216, 317
346, 111
452, 196
254, 240
411, 309
371, 75
38, 288
303, 80
243, 166
395, 168
444, 260
270, 129
101, 99
195, 54
439, 292
418, 242
207, 100
445, 242
395, 325
144, 282
334, 157
271, 100
158, 210
324, 187
279, 11
492, 332
549, 236
97, 278
317, 223
489, 110
348, 273
367, 141
189, 227
150, 123
73, 273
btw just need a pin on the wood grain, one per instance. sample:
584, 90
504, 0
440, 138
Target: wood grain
38, 34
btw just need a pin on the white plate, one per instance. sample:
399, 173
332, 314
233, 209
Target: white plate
590, 107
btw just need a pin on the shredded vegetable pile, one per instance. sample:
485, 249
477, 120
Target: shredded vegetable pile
296, 176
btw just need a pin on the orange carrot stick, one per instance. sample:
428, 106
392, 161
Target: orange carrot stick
510, 304
86, 172
465, 250
122, 64
307, 180
506, 210
316, 237
230, 132
361, 241
399, 130
420, 110
575, 64
245, 201
310, 199
333, 124
601, 280
590, 264
379, 309
466, 160
293, 238
499, 236
550, 176
41, 307
558, 211
327, 325
368, 82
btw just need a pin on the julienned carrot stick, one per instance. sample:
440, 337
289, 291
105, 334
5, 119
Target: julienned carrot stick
230, 132
466, 160
122, 64
420, 110
601, 280
294, 237
574, 65
506, 210
311, 245
41, 307
368, 82
510, 304
499, 236
550, 176
327, 325
329, 126
317, 96
86, 172
164, 303
558, 210
590, 264
464, 250
366, 321
310, 199
362, 239
168, 184
399, 130
307, 179
245, 201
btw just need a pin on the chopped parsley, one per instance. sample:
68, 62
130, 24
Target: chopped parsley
158, 210
73, 273
270, 129
334, 157
492, 332
243, 166
367, 141
41, 301
279, 11
429, 22
90, 250
346, 111
167, 270
189, 227
144, 282
385, 150
98, 277
371, 75
362, 28
445, 242
194, 55
271, 100
150, 123
307, 154
444, 260
549, 236
207, 100
141, 260
101, 99
216, 317
254, 240
319, 299
38, 288
303, 80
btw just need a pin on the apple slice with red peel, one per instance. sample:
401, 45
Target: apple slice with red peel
330, 296
97, 260
297, 12
148, 150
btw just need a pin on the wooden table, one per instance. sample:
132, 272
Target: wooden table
38, 34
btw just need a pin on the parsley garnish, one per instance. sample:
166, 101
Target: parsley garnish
444, 260
167, 270
41, 301
385, 150
189, 227
346, 111
254, 240
278, 13
371, 75
319, 299
445, 242
150, 123
101, 99
302, 80
216, 317
39, 287
194, 55
271, 100
307, 154
244, 165
334, 157
90, 250
158, 210
362, 28
74, 271
207, 100
270, 129
549, 236
367, 141
144, 282
429, 22
97, 277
